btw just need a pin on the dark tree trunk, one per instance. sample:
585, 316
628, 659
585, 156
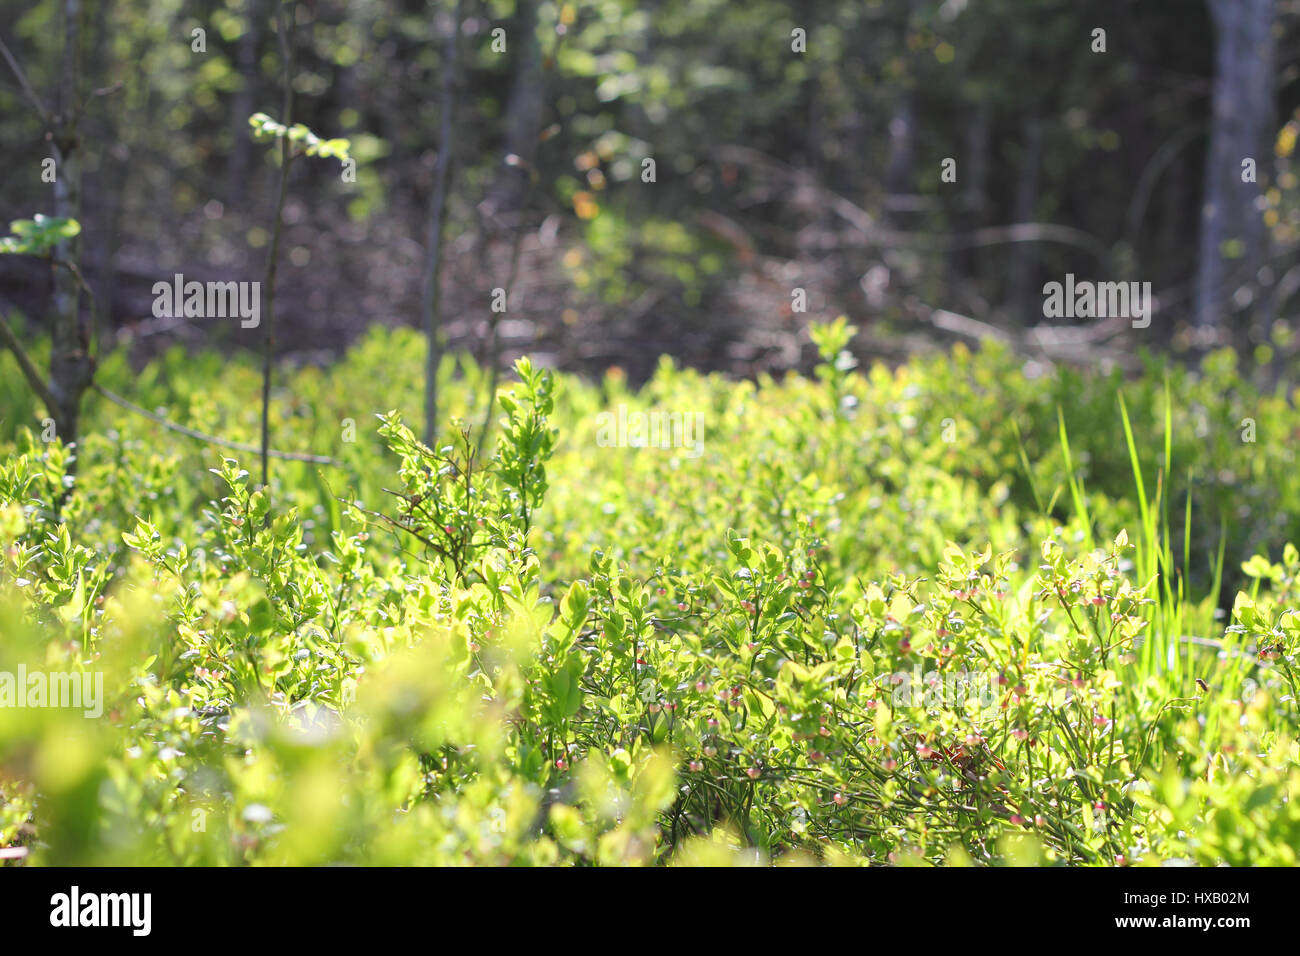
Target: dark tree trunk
523, 113
1234, 241
1024, 262
242, 109
70, 362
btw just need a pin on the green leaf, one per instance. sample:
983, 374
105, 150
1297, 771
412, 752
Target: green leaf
38, 236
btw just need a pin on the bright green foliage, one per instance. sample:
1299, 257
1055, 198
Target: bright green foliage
38, 236
301, 139
880, 616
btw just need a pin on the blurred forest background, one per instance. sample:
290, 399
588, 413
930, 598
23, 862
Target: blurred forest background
798, 172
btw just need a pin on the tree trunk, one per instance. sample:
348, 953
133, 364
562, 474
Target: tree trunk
70, 362
246, 63
1024, 262
1234, 241
971, 211
523, 114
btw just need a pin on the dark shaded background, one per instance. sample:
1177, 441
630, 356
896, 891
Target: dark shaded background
776, 170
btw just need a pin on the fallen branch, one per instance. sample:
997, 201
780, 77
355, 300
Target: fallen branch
966, 327
213, 439
865, 223
1052, 342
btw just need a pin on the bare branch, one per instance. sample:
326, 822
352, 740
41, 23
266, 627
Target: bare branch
92, 334
25, 363
27, 87
437, 210
283, 26
91, 97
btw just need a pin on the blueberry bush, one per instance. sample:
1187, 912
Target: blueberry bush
946, 613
